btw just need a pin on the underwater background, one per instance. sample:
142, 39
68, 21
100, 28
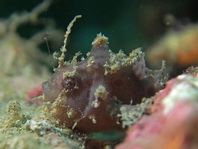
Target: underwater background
129, 24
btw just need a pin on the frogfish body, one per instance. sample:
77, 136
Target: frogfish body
87, 95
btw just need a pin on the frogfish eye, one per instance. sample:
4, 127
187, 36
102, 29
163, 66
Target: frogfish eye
69, 83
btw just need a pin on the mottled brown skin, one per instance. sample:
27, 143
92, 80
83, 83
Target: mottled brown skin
125, 84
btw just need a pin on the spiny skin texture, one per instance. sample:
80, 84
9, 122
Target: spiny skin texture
87, 96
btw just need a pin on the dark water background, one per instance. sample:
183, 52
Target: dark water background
128, 23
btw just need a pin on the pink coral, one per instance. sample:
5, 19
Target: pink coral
174, 120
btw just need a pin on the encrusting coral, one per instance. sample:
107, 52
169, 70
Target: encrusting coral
173, 121
87, 95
